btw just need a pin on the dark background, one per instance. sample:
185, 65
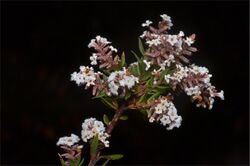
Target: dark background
44, 42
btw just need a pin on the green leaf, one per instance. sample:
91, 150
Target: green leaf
62, 161
106, 119
101, 94
141, 48
113, 156
124, 117
154, 96
81, 163
123, 60
141, 65
94, 145
128, 95
106, 162
108, 102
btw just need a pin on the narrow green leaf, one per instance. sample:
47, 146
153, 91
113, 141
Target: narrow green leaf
81, 163
94, 145
154, 96
62, 161
141, 48
106, 119
123, 60
113, 156
101, 94
107, 102
128, 95
106, 162
124, 117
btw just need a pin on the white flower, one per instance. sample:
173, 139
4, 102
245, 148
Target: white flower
220, 95
147, 64
159, 109
166, 113
102, 40
189, 41
68, 141
93, 59
167, 78
172, 39
120, 79
167, 19
193, 91
143, 34
175, 123
147, 23
92, 127
155, 42
85, 76
113, 49
165, 120
98, 39
181, 34
77, 77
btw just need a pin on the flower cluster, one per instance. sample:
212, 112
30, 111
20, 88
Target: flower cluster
121, 79
195, 81
163, 48
163, 110
104, 53
92, 127
71, 148
162, 67
68, 141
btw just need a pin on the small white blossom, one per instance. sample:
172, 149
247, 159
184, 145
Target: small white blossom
143, 34
165, 120
193, 91
155, 42
113, 49
147, 23
93, 59
172, 39
189, 41
85, 76
92, 127
102, 40
120, 79
147, 64
181, 34
98, 39
68, 141
166, 112
167, 19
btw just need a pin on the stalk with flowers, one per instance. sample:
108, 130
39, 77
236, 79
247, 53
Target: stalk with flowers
148, 85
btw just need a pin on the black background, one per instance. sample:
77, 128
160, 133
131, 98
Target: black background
44, 42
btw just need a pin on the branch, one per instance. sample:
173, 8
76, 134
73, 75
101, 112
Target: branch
110, 127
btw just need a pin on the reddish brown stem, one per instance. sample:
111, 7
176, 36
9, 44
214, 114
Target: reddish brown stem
115, 119
110, 127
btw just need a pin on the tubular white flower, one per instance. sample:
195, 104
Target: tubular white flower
167, 19
120, 79
147, 23
147, 64
172, 39
93, 59
98, 39
166, 113
68, 141
189, 41
113, 49
92, 127
154, 42
85, 76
